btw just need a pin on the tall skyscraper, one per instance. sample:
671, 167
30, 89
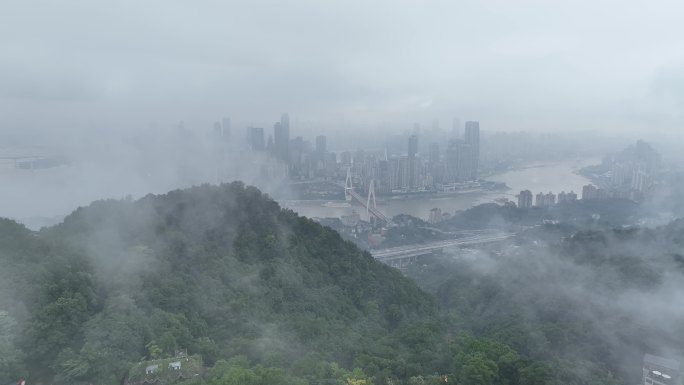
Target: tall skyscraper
451, 160
465, 158
225, 122
433, 155
458, 161
218, 131
321, 145
413, 146
472, 137
412, 162
256, 138
281, 138
404, 173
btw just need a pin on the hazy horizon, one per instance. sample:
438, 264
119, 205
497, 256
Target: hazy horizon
528, 65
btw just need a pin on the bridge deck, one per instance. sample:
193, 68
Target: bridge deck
376, 213
427, 248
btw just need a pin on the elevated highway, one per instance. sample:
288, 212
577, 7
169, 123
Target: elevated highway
398, 256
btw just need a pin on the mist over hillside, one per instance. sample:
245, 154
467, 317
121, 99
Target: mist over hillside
223, 273
296, 192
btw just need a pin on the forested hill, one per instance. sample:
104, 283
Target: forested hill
219, 270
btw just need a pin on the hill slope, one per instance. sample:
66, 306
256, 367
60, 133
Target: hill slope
221, 271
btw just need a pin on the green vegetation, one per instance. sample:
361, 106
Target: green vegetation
584, 305
221, 271
259, 296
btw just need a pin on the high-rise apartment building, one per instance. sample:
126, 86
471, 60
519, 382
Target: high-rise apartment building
433, 155
281, 138
256, 138
413, 163
458, 162
525, 199
472, 137
413, 146
321, 145
225, 125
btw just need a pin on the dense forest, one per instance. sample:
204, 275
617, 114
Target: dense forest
588, 303
264, 296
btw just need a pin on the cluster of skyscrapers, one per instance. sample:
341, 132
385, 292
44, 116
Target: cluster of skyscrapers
300, 159
408, 172
633, 171
441, 171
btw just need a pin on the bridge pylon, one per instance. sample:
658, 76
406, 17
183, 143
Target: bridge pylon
371, 193
348, 187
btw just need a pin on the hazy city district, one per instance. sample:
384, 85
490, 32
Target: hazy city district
473, 207
291, 192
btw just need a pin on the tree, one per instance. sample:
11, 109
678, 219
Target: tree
479, 370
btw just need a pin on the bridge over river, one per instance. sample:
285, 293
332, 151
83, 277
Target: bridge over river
399, 256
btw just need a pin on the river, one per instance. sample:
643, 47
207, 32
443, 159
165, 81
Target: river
541, 176
42, 197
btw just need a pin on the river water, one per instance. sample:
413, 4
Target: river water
47, 195
542, 176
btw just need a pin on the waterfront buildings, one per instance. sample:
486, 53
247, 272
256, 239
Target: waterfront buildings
452, 168
525, 199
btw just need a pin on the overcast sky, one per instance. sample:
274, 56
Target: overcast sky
512, 64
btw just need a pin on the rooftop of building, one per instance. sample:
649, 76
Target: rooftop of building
661, 361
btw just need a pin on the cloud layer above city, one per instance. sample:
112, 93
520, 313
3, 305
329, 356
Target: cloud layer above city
524, 65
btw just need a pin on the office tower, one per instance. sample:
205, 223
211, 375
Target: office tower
404, 174
413, 162
451, 157
281, 138
218, 131
330, 165
458, 161
539, 201
321, 145
433, 155
256, 139
384, 177
525, 199
465, 161
472, 137
225, 122
413, 146
415, 173
434, 166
